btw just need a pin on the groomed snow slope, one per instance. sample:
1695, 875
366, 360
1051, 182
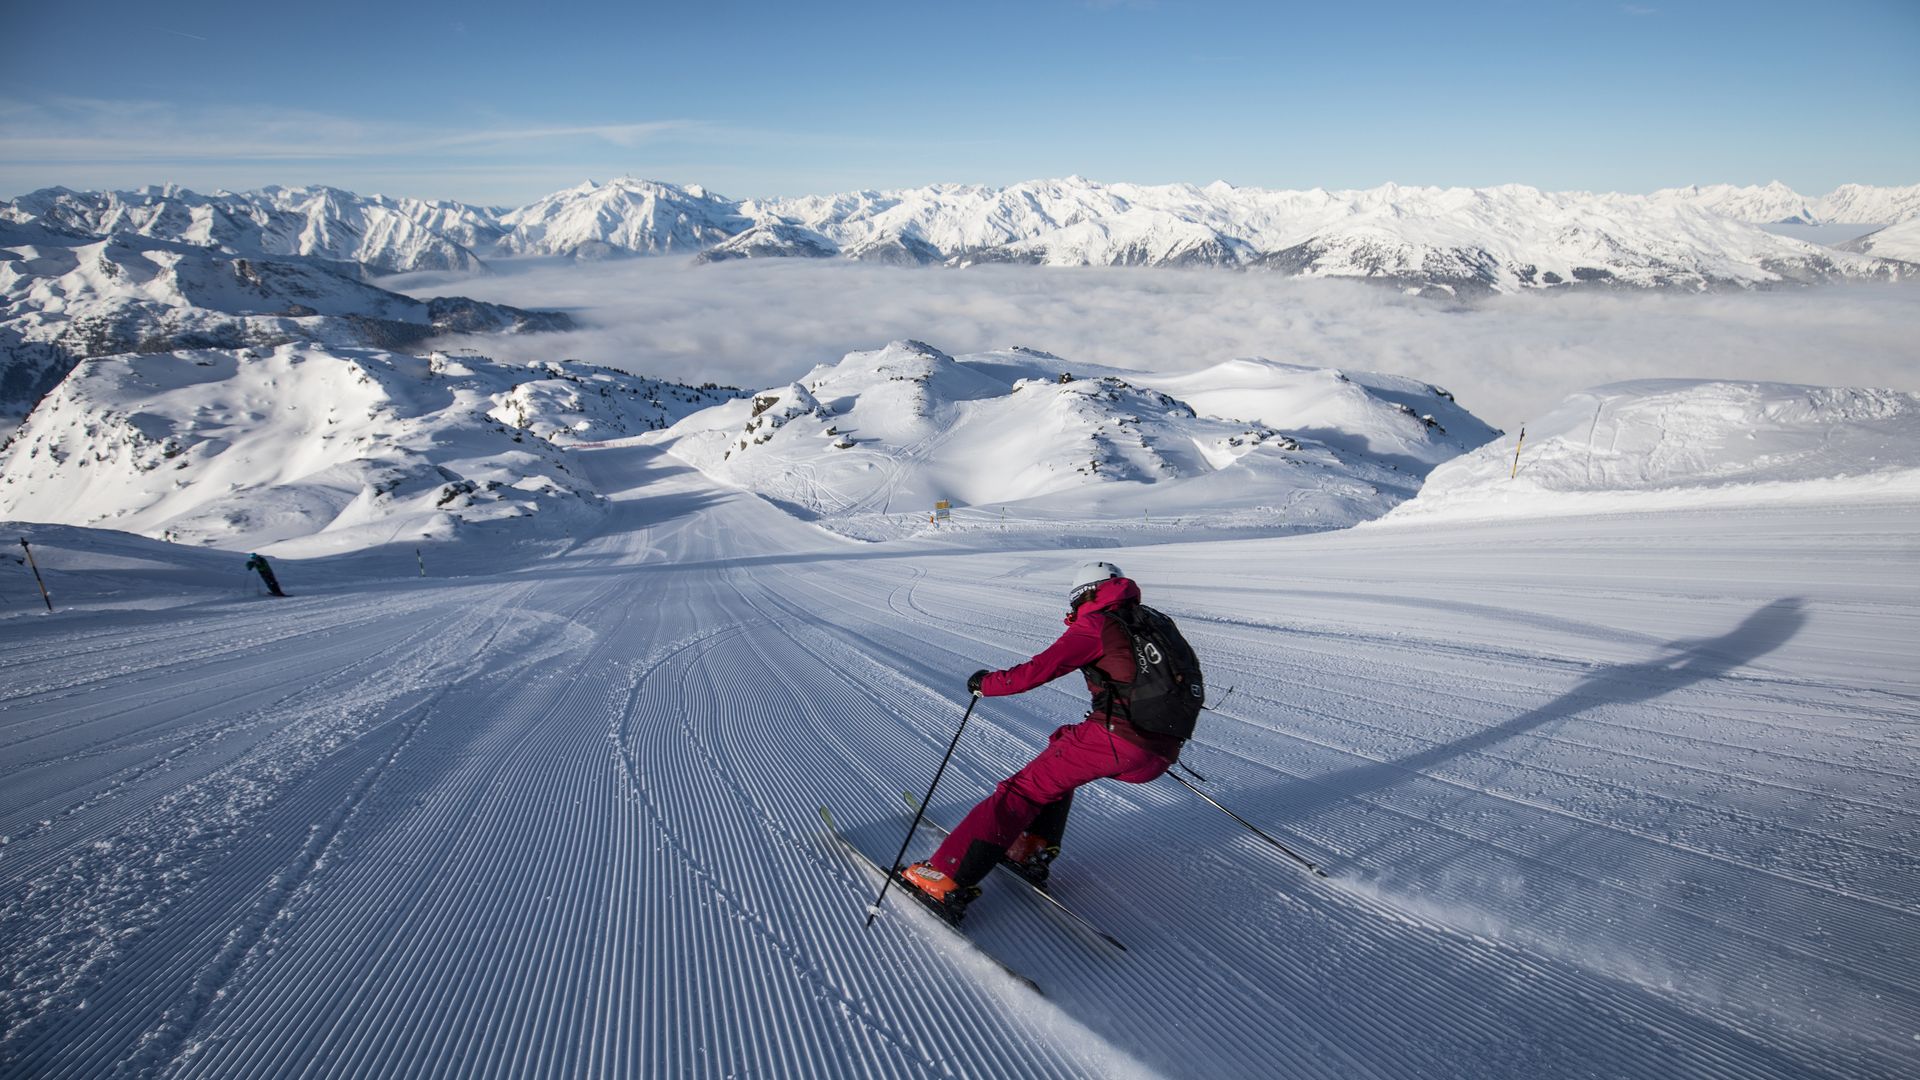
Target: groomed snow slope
1683, 442
1610, 796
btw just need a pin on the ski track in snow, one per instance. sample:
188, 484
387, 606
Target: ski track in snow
1621, 797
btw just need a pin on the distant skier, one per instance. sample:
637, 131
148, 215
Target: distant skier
1024, 819
259, 562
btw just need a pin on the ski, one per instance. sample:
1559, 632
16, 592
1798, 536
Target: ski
946, 918
1071, 915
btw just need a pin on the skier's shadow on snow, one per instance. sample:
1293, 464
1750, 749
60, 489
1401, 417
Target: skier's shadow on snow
1679, 664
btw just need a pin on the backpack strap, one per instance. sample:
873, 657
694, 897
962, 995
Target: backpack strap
1109, 699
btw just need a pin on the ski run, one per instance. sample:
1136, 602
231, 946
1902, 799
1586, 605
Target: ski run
1624, 788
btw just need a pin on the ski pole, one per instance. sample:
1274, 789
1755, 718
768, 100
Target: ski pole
873, 909
36, 574
1284, 849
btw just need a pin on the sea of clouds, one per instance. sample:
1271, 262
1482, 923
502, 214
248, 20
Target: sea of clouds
1506, 358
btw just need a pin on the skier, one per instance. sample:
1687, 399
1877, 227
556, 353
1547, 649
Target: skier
258, 562
1023, 820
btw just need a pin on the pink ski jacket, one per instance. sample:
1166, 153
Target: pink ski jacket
1092, 640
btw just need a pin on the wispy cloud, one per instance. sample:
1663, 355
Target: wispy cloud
1639, 9
617, 134
79, 130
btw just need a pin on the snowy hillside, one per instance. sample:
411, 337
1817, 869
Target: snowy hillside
64, 297
1689, 442
326, 448
1898, 241
1342, 409
1015, 439
391, 235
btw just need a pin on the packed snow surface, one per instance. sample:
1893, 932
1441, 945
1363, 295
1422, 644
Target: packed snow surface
1612, 796
1682, 441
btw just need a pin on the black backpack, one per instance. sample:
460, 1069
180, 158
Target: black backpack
1168, 691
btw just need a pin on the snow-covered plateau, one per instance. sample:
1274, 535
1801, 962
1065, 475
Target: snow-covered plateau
1625, 786
1450, 240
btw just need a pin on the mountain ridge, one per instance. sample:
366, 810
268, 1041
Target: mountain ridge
1504, 238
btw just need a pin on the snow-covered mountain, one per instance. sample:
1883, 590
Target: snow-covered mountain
1504, 238
1776, 203
1686, 442
338, 448
1456, 239
390, 235
65, 296
867, 445
625, 217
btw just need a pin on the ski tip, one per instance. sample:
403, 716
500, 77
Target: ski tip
1115, 942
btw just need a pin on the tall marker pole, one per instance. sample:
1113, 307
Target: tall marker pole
1516, 452
28, 548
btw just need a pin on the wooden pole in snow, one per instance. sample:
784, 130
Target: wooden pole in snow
1516, 452
28, 548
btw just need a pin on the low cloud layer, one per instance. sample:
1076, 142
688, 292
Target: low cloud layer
758, 324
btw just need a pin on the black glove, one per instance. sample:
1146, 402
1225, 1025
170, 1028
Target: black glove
973, 681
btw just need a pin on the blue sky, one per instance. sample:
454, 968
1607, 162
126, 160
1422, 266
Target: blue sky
499, 104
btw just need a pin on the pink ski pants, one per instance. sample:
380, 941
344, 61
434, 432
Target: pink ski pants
1074, 755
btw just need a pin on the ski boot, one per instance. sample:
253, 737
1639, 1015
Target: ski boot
947, 897
1032, 857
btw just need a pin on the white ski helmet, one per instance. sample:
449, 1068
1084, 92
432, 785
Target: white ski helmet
1088, 575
